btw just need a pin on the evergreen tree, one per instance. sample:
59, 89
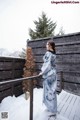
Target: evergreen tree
44, 27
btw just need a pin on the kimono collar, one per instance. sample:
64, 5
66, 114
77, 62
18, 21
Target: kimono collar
51, 51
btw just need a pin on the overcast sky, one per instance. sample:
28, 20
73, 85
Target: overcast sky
17, 16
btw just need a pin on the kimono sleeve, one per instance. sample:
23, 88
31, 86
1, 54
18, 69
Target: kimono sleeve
46, 67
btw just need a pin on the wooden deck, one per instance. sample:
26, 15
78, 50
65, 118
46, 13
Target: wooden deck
68, 107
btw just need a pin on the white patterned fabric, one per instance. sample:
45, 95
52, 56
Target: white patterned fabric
50, 81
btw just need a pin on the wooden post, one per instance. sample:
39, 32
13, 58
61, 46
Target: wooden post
31, 100
13, 73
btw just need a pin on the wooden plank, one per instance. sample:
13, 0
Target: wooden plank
72, 58
61, 105
9, 85
6, 90
9, 59
61, 97
68, 43
18, 65
7, 68
73, 108
39, 65
39, 51
35, 44
77, 111
6, 59
74, 69
67, 38
74, 88
4, 87
69, 106
18, 73
69, 77
5, 75
5, 65
18, 89
68, 67
56, 39
19, 60
38, 58
71, 84
68, 49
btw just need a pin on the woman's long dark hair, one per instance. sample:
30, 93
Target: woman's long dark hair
52, 45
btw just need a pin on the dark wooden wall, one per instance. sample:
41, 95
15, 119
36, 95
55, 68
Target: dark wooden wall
11, 68
68, 59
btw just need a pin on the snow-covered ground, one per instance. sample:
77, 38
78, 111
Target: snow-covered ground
18, 107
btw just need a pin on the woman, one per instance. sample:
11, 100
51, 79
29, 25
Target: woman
48, 71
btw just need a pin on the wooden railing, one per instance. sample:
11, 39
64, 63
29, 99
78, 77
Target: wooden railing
31, 90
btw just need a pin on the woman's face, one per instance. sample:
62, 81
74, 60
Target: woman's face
48, 46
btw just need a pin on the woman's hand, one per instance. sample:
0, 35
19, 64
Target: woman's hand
40, 73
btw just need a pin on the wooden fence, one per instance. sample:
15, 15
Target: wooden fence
11, 68
67, 62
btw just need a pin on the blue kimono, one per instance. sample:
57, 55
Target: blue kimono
50, 81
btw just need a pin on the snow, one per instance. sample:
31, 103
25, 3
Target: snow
18, 107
